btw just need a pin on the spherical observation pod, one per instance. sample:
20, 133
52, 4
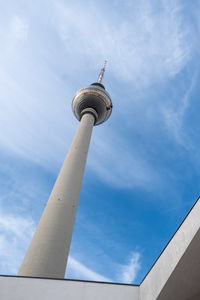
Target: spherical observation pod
93, 99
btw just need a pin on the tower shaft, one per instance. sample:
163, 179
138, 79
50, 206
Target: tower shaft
48, 252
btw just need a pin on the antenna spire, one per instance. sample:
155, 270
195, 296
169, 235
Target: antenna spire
102, 72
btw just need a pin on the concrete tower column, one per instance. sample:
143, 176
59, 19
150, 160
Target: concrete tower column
48, 252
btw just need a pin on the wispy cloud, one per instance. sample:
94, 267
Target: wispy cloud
174, 115
114, 163
130, 271
124, 273
18, 28
148, 44
75, 269
15, 233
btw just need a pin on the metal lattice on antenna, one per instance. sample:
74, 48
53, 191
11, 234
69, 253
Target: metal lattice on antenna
102, 72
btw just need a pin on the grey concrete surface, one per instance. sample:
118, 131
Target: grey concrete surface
13, 288
183, 284
176, 273
48, 252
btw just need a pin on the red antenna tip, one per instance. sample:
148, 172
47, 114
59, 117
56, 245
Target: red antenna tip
102, 72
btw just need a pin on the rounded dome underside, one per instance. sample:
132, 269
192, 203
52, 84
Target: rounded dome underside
93, 97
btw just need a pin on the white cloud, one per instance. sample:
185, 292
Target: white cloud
15, 234
115, 164
143, 45
38, 77
130, 271
121, 273
174, 115
79, 270
18, 28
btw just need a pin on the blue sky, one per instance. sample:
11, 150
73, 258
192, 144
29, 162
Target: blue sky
142, 173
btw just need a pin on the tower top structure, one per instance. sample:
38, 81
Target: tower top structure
93, 99
49, 249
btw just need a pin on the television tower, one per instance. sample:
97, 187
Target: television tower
48, 251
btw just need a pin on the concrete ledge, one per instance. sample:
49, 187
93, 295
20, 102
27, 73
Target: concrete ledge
23, 288
176, 273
